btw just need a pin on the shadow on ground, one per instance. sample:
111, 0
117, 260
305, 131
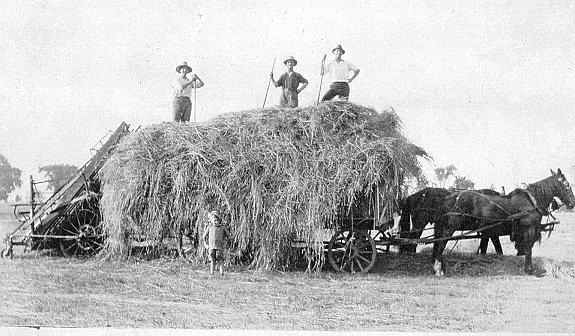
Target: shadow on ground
465, 265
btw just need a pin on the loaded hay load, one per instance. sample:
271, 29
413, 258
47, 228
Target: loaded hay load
279, 174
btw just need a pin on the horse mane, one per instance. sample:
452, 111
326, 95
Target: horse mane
515, 192
542, 191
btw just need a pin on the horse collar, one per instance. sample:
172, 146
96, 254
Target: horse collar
532, 198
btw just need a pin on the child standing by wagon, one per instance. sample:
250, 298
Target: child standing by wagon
215, 239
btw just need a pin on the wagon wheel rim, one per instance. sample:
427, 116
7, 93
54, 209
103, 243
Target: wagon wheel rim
352, 252
83, 229
7, 253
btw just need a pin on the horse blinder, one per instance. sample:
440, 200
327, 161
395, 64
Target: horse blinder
569, 198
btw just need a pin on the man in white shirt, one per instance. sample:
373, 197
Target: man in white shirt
339, 72
183, 90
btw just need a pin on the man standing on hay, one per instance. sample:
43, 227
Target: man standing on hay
339, 71
215, 239
290, 81
183, 91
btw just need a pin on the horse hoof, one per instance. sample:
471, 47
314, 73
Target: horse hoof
438, 268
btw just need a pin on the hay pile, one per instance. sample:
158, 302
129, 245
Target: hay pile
279, 175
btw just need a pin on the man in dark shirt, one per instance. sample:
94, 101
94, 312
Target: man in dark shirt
290, 82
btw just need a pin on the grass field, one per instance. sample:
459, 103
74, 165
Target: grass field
481, 293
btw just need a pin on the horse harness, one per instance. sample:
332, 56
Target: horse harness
499, 221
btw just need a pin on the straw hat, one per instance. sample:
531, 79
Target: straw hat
184, 64
338, 47
290, 58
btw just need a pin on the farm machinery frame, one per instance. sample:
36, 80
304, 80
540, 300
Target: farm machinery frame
70, 218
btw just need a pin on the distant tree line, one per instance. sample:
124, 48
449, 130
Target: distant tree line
11, 178
460, 182
443, 176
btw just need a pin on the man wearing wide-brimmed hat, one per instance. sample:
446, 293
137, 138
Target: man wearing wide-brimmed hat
290, 82
339, 72
183, 91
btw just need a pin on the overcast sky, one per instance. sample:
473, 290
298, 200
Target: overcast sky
488, 86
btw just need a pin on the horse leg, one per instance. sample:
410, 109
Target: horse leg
442, 229
418, 226
520, 249
438, 248
407, 224
410, 248
528, 261
497, 244
483, 245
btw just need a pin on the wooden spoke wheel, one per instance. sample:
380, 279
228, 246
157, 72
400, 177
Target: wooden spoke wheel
84, 231
187, 241
352, 251
7, 253
186, 246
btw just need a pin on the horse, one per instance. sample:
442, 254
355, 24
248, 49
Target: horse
425, 206
494, 239
421, 207
517, 214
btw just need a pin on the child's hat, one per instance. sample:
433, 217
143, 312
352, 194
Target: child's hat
215, 214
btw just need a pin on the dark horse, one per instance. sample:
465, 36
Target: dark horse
426, 206
421, 207
517, 214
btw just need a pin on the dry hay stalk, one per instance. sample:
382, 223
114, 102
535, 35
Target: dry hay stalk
278, 174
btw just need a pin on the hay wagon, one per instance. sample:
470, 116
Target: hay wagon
70, 218
363, 231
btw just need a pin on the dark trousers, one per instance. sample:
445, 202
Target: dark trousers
288, 98
182, 108
340, 89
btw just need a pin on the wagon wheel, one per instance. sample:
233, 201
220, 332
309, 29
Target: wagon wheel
186, 248
352, 251
83, 227
187, 241
7, 253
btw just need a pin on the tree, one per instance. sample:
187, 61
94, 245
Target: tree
443, 173
58, 174
9, 178
414, 184
461, 182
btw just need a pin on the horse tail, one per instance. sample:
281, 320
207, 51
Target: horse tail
405, 226
404, 222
